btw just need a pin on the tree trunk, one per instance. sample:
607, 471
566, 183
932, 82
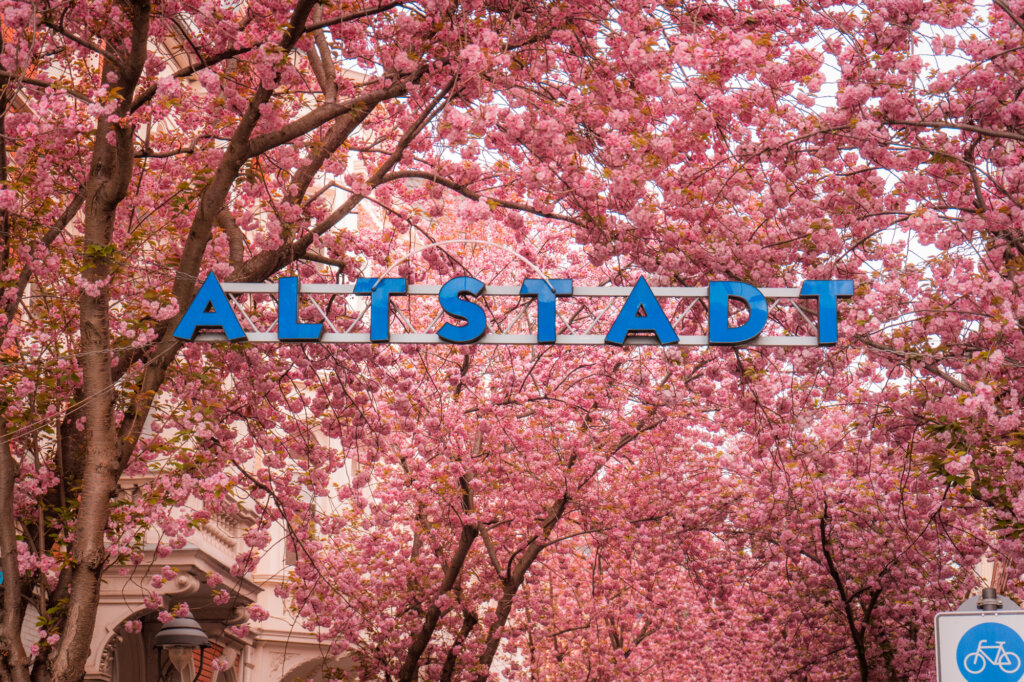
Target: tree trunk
109, 177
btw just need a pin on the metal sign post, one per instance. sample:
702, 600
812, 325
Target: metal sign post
983, 641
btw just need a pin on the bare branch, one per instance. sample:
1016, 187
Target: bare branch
354, 15
1003, 5
929, 364
938, 125
12, 77
476, 196
93, 47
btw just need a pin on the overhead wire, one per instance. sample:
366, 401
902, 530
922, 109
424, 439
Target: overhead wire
31, 427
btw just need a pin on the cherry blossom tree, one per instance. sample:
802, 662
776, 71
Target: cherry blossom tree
559, 514
617, 513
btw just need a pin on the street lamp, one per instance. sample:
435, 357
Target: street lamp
179, 637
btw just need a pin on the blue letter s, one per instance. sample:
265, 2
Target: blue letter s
452, 302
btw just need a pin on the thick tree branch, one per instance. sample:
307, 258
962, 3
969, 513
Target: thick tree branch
515, 579
265, 264
322, 114
13, 658
857, 634
236, 240
469, 621
410, 666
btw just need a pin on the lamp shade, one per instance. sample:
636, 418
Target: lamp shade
181, 632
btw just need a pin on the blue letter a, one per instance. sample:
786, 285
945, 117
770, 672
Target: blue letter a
630, 321
219, 314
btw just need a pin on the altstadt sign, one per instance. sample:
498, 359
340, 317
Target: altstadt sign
640, 320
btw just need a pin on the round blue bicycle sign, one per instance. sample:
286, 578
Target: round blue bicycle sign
990, 652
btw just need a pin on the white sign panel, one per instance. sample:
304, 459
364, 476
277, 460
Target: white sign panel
980, 646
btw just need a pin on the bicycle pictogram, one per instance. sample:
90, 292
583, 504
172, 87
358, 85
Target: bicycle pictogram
990, 652
995, 654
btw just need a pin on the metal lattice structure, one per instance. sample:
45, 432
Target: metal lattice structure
583, 319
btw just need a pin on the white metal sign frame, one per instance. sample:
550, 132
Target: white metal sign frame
951, 627
586, 325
